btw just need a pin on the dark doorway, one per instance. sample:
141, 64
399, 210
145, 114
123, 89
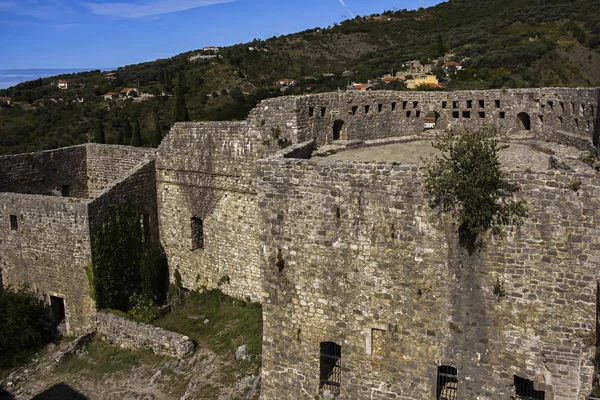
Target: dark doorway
447, 383
524, 390
65, 191
57, 306
337, 129
330, 367
525, 121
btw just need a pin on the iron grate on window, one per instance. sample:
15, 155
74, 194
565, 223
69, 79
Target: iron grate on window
524, 390
330, 367
447, 383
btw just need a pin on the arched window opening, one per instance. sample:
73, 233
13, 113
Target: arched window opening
447, 383
337, 129
525, 121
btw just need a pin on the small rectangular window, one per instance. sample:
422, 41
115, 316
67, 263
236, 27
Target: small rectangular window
444, 104
481, 103
560, 119
354, 110
502, 115
415, 104
497, 103
14, 223
466, 114
367, 108
197, 226
393, 106
455, 114
541, 118
377, 342
311, 111
330, 367
418, 114
551, 105
447, 383
481, 114
455, 104
323, 111
65, 191
404, 104
145, 221
469, 103
379, 107
408, 114
57, 308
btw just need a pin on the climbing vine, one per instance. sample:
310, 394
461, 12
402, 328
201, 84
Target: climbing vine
117, 249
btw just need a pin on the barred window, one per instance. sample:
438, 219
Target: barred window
330, 367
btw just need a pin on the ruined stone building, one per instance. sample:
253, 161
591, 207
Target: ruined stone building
314, 206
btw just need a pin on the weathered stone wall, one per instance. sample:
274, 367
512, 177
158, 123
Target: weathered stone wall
49, 250
352, 254
50, 247
45, 172
379, 114
207, 171
136, 190
107, 163
134, 335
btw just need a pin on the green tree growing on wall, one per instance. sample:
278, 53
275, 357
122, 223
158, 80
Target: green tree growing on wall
466, 181
136, 135
157, 137
180, 113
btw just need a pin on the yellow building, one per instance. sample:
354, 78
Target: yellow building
422, 79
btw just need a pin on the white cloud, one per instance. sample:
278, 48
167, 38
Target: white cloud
149, 8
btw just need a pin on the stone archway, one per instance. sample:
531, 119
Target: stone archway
525, 120
338, 124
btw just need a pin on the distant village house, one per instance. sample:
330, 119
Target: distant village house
5, 101
65, 84
286, 82
422, 80
360, 87
111, 76
129, 92
111, 96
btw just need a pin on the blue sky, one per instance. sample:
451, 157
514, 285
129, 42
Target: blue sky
112, 33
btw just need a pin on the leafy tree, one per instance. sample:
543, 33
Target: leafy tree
127, 131
136, 136
466, 181
25, 325
157, 138
440, 45
154, 274
99, 132
180, 113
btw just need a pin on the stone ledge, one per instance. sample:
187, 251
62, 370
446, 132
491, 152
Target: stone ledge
134, 335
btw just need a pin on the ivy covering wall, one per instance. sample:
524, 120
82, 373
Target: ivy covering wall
123, 267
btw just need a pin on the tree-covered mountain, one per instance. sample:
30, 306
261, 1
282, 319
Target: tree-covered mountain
499, 43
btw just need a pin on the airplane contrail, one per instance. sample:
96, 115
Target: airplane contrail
347, 9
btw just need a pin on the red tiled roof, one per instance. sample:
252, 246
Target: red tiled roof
126, 90
452, 64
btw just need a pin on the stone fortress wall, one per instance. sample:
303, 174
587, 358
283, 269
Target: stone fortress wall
45, 236
206, 170
341, 252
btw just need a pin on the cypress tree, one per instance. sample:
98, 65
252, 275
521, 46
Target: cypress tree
99, 132
136, 137
180, 113
157, 138
126, 132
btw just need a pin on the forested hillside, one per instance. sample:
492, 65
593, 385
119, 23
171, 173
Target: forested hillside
499, 43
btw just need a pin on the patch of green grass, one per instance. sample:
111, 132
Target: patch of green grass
231, 322
101, 358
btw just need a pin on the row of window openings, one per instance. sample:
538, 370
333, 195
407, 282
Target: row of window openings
581, 109
446, 384
455, 105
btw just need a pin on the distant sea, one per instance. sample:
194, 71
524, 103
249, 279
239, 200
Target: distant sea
11, 77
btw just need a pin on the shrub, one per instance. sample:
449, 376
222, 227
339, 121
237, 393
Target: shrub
25, 325
466, 181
